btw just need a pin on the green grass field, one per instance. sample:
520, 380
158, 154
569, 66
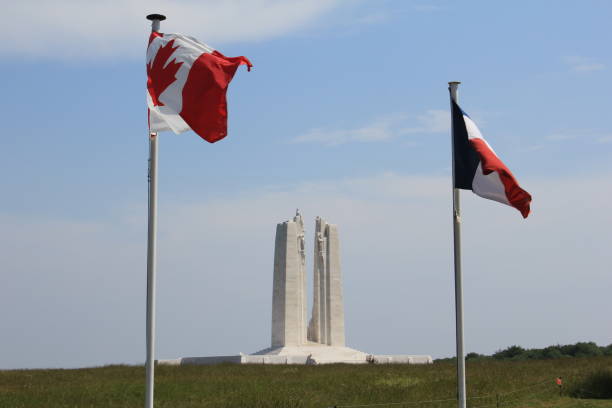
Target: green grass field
490, 384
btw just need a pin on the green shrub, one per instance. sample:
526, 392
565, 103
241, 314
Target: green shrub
589, 349
475, 356
582, 349
597, 384
551, 352
518, 353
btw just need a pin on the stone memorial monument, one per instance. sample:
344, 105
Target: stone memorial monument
322, 340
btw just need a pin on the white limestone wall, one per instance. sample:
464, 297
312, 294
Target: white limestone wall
334, 295
327, 322
316, 327
289, 285
310, 354
303, 299
275, 359
399, 359
278, 286
293, 289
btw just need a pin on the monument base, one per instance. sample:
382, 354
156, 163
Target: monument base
311, 353
317, 353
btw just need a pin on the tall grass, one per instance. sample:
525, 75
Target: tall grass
509, 383
596, 384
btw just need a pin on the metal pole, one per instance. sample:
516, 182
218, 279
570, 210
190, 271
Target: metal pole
151, 250
461, 394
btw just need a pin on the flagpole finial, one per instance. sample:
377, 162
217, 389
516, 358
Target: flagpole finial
155, 21
158, 17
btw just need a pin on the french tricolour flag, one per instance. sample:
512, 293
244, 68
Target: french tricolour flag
187, 83
478, 168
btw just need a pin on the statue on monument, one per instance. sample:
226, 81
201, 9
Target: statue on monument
301, 242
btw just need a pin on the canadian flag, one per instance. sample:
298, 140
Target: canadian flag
187, 82
478, 168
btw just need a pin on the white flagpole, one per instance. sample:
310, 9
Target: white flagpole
461, 394
151, 248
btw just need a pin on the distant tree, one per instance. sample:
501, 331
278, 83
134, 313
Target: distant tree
446, 360
580, 349
568, 350
530, 354
475, 356
589, 349
512, 352
551, 352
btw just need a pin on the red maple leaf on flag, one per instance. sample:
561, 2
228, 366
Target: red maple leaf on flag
159, 74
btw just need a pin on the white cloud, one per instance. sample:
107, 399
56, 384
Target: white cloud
428, 7
432, 121
382, 129
531, 282
590, 135
560, 136
583, 64
605, 139
372, 18
107, 28
533, 148
379, 130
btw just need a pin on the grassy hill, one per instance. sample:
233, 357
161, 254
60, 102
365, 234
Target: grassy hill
490, 383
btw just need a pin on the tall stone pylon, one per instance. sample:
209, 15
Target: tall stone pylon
289, 286
327, 323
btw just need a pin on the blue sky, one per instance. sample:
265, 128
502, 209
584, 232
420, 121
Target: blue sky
345, 115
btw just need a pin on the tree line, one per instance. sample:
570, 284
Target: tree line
518, 353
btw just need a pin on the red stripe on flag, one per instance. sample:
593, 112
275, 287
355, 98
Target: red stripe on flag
235, 60
154, 35
204, 94
518, 198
